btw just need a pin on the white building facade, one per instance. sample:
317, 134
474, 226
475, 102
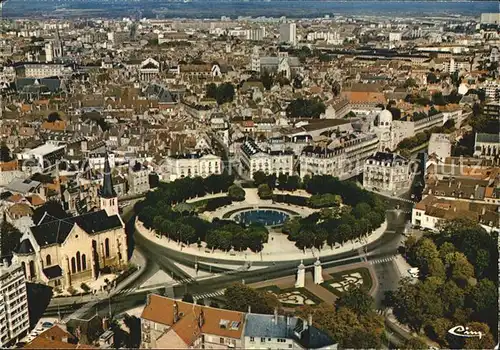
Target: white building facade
190, 165
252, 159
387, 172
14, 317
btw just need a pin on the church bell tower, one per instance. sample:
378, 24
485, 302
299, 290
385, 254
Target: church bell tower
108, 198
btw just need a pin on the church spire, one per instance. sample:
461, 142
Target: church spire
107, 190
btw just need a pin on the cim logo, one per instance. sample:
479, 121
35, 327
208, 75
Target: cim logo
465, 332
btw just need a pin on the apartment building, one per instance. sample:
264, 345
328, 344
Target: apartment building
387, 172
169, 323
190, 165
41, 70
138, 179
14, 318
343, 160
251, 158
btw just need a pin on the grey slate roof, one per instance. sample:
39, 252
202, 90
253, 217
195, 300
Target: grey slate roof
25, 247
52, 84
23, 186
52, 230
53, 272
488, 138
264, 326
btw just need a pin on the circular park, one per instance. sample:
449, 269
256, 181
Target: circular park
271, 219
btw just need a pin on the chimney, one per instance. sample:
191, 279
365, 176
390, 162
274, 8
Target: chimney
459, 184
249, 309
176, 312
310, 320
201, 319
6, 261
483, 211
105, 323
275, 315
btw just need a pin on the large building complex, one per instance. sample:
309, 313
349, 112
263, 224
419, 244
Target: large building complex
190, 165
387, 172
252, 159
343, 159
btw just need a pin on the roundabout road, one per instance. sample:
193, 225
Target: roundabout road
386, 246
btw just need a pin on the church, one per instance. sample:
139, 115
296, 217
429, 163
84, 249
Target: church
70, 251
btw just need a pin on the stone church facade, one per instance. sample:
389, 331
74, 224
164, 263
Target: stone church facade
67, 252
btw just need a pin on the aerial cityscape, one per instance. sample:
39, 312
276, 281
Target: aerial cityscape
249, 174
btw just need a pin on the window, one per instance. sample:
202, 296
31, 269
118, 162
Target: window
48, 260
84, 262
73, 265
289, 346
262, 340
252, 339
78, 262
106, 247
222, 340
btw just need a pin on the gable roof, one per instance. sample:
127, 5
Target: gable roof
215, 321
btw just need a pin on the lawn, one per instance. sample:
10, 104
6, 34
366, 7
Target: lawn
341, 276
281, 295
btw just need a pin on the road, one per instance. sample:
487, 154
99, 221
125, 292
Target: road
385, 247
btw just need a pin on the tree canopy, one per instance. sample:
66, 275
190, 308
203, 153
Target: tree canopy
458, 285
222, 93
300, 107
240, 297
9, 239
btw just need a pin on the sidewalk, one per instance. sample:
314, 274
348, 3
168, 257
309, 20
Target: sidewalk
269, 256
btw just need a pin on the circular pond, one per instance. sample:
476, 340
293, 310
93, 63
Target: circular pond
267, 217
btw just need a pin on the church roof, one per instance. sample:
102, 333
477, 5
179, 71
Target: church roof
52, 230
25, 247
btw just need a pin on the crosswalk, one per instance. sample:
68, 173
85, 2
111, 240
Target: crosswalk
209, 295
185, 280
126, 291
382, 260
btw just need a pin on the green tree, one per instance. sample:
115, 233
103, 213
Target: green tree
414, 343
485, 342
410, 82
239, 297
425, 250
264, 191
267, 80
453, 297
259, 177
459, 268
225, 93
236, 193
435, 268
445, 249
356, 299
437, 330
9, 239
53, 117
4, 153
483, 299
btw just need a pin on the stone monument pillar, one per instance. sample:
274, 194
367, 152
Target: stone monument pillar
318, 272
301, 275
